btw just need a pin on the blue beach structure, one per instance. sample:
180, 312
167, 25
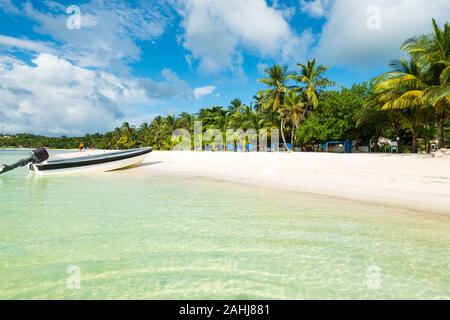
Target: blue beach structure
347, 146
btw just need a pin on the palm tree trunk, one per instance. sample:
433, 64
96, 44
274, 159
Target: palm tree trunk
293, 137
282, 135
375, 145
428, 138
441, 133
305, 110
414, 143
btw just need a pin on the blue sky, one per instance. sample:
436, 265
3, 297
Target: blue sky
131, 60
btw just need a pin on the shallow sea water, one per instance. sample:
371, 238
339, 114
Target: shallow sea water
139, 236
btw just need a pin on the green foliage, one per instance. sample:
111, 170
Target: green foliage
417, 87
335, 117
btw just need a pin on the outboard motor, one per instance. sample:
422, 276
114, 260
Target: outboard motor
37, 156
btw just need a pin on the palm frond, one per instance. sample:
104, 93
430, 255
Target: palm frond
410, 99
435, 94
396, 80
445, 76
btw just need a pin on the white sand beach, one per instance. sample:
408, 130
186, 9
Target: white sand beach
417, 182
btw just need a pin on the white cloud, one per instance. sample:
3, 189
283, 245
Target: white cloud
287, 11
346, 40
172, 87
79, 82
215, 32
55, 97
262, 67
296, 49
9, 7
314, 8
6, 62
109, 30
25, 44
203, 91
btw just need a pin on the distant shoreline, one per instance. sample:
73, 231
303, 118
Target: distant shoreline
56, 149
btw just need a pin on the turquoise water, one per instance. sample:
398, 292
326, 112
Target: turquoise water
140, 236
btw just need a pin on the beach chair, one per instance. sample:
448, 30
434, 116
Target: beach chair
230, 147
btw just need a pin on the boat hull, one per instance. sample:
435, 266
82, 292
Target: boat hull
105, 163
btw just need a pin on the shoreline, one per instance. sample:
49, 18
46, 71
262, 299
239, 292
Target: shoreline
414, 182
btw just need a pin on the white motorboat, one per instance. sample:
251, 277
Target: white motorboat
91, 161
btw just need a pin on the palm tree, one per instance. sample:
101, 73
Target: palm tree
185, 120
213, 118
157, 130
246, 118
431, 53
127, 136
414, 119
235, 105
233, 116
273, 97
171, 123
292, 110
311, 82
403, 89
144, 134
258, 102
371, 118
277, 77
260, 106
